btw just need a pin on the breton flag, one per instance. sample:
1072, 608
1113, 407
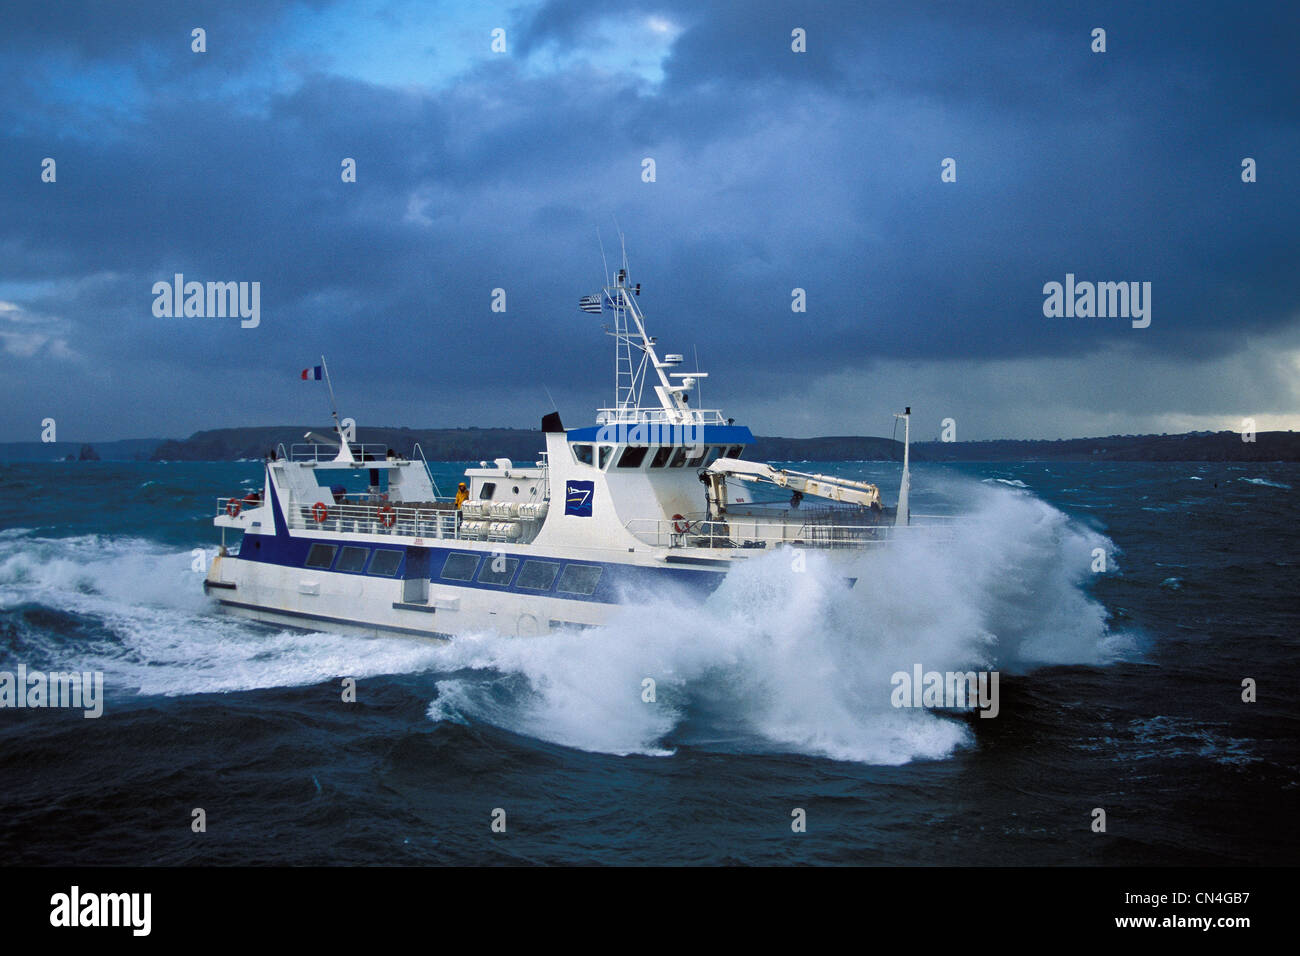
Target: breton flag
616, 301
589, 303
311, 374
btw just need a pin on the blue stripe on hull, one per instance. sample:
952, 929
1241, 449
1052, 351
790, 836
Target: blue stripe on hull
616, 580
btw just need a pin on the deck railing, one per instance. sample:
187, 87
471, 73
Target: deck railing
362, 517
696, 531
380, 518
319, 452
658, 416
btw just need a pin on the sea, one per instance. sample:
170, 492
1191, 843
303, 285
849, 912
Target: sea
1141, 619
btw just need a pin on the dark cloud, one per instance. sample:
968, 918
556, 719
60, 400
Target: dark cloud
775, 170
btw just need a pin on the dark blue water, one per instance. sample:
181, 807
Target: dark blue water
1119, 690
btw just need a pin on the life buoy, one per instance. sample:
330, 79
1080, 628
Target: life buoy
232, 507
680, 524
387, 516
320, 512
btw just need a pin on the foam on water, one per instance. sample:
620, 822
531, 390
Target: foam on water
775, 660
155, 632
800, 662
1266, 482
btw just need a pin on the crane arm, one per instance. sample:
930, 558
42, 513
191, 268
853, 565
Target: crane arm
821, 486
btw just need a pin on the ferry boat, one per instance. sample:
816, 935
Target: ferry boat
650, 498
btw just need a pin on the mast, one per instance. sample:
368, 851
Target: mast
904, 515
634, 358
345, 453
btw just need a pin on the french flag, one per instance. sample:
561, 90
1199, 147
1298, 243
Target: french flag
309, 374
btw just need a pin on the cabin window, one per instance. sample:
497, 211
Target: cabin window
490, 574
632, 456
487, 491
579, 578
605, 452
353, 559
538, 575
661, 456
582, 453
679, 458
460, 567
714, 454
385, 563
321, 556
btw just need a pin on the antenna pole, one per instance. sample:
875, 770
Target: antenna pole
603, 260
334, 408
904, 512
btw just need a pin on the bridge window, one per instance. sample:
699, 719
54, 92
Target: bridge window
582, 453
385, 563
661, 456
679, 459
460, 566
713, 455
605, 452
734, 451
538, 575
632, 456
696, 459
579, 578
321, 556
353, 559
489, 574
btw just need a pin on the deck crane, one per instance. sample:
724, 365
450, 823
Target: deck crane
821, 486
801, 483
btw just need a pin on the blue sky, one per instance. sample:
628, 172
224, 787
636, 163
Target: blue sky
775, 170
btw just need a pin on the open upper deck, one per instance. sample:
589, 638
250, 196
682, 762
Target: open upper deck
330, 456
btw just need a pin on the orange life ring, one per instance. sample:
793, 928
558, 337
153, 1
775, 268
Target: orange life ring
320, 512
387, 516
232, 507
680, 524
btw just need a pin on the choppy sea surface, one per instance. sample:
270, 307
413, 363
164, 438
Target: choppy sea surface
1119, 689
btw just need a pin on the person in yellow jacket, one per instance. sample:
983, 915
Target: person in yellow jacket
462, 495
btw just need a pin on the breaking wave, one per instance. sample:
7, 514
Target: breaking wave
776, 660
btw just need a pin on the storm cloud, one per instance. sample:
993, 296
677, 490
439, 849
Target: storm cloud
775, 170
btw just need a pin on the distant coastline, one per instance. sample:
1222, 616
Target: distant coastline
519, 444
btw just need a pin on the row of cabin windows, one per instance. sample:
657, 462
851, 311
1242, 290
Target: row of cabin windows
535, 576
384, 562
665, 456
459, 566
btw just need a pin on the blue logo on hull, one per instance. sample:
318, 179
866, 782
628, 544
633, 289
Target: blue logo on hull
577, 498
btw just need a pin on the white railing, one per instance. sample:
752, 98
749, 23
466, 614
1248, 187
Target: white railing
405, 520
741, 532
411, 521
658, 416
234, 506
696, 531
315, 452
